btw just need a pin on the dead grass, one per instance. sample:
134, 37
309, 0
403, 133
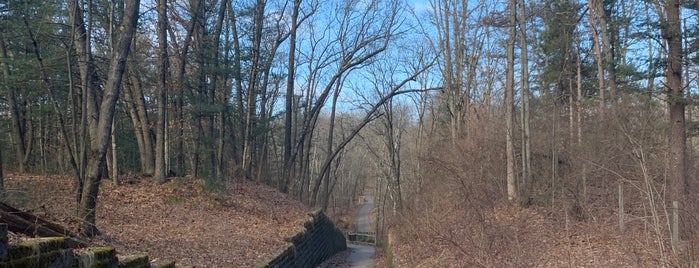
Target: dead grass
176, 221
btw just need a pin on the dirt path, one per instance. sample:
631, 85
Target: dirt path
362, 255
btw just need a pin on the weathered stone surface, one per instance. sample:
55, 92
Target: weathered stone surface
134, 261
98, 257
167, 264
312, 246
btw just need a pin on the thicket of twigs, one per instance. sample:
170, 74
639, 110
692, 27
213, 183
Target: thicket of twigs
457, 212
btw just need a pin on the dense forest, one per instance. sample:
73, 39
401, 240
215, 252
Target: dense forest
451, 108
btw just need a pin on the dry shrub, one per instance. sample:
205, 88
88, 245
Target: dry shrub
460, 216
451, 215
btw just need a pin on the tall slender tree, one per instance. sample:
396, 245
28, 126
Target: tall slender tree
164, 69
525, 190
102, 127
672, 35
509, 102
289, 101
249, 146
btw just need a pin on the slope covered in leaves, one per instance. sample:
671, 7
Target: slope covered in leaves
242, 226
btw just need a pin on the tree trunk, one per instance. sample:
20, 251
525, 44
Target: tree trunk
289, 101
83, 49
509, 105
160, 172
18, 124
196, 9
609, 60
393, 144
600, 62
237, 135
52, 95
677, 136
136, 121
249, 146
525, 190
99, 142
329, 149
113, 166
216, 154
148, 160
578, 105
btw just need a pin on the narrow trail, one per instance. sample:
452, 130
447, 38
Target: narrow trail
362, 255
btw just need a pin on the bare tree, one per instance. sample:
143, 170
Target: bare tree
102, 127
509, 104
606, 33
135, 100
289, 100
249, 146
164, 65
458, 60
20, 124
525, 190
364, 31
179, 83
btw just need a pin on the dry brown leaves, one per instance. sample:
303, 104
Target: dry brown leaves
175, 221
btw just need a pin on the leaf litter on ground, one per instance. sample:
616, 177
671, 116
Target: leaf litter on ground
243, 225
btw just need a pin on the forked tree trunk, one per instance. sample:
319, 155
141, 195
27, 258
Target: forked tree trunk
136, 121
147, 160
99, 141
196, 9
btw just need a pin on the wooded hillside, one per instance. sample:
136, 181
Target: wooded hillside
582, 110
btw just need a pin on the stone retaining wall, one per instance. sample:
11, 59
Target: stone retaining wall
55, 252
319, 241
310, 247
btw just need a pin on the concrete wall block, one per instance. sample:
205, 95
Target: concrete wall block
167, 264
135, 261
98, 257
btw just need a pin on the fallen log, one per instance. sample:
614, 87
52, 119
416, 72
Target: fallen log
26, 223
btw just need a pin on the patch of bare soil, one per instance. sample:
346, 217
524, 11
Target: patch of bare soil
242, 226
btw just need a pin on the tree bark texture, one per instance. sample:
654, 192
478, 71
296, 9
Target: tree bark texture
99, 141
289, 102
525, 186
509, 105
677, 136
160, 172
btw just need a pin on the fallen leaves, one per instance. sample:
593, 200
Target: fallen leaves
242, 226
